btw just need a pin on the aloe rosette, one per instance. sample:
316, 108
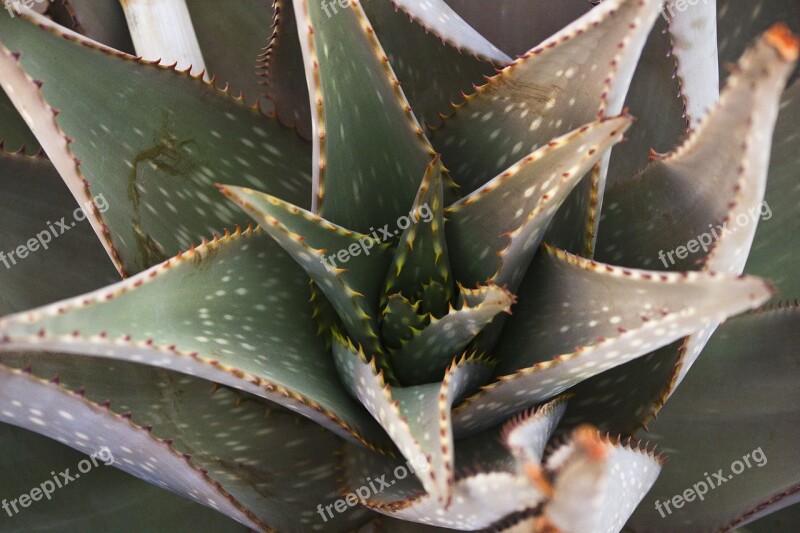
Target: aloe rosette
448, 294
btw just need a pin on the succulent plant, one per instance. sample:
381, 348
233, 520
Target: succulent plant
459, 301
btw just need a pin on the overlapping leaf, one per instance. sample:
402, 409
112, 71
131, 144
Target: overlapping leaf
368, 147
234, 311
139, 141
577, 318
728, 407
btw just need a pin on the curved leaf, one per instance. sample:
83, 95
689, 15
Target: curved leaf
728, 407
102, 21
14, 133
416, 418
494, 232
283, 72
232, 36
516, 26
46, 408
577, 318
92, 504
318, 246
435, 54
569, 80
146, 148
373, 152
234, 311
40, 264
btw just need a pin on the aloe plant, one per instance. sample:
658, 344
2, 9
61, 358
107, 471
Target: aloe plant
366, 272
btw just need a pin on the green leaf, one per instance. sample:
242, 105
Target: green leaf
569, 80
516, 26
731, 250
399, 320
672, 208
478, 500
232, 36
425, 356
435, 54
494, 232
38, 405
693, 34
527, 435
234, 311
421, 256
598, 483
577, 318
728, 407
782, 521
91, 504
266, 460
654, 131
283, 72
330, 255
102, 21
416, 418
145, 147
373, 153
739, 23
46, 251
14, 133
777, 242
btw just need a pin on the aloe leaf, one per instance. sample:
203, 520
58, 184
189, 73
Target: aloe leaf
234, 311
554, 340
435, 54
232, 36
400, 318
777, 241
784, 520
159, 182
37, 405
330, 255
416, 418
731, 250
527, 434
46, 251
760, 351
103, 22
575, 76
268, 462
478, 500
516, 26
494, 232
375, 148
738, 23
652, 133
598, 483
14, 133
91, 504
679, 216
426, 355
693, 30
283, 72
421, 256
